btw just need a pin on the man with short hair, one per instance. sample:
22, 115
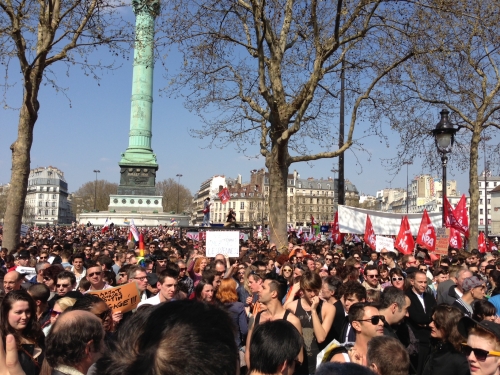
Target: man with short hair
473, 288
388, 258
39, 267
408, 261
41, 294
139, 275
271, 295
353, 292
167, 286
387, 356
78, 267
65, 283
74, 343
393, 306
184, 278
274, 348
371, 278
12, 281
119, 262
94, 275
420, 315
368, 323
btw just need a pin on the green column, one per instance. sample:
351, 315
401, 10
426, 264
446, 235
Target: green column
139, 151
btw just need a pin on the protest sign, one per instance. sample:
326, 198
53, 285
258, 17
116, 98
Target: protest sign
223, 242
384, 243
442, 241
24, 229
28, 272
122, 298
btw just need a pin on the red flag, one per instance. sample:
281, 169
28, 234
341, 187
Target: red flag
455, 239
404, 241
426, 236
313, 222
450, 219
462, 215
337, 237
370, 234
481, 243
224, 196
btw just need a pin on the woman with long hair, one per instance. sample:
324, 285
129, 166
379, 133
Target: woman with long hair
446, 356
204, 291
226, 294
18, 318
383, 272
196, 266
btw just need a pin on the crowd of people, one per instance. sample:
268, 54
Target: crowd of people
313, 309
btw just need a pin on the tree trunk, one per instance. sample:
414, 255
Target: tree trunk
473, 188
20, 171
277, 165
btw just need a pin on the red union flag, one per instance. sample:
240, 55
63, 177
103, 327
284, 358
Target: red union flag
224, 196
335, 224
404, 241
370, 234
481, 243
451, 220
462, 215
455, 239
426, 236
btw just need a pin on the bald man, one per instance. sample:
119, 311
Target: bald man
12, 281
80, 331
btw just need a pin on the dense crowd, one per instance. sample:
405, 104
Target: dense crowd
316, 308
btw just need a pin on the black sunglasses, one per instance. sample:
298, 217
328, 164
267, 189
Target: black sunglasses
480, 354
375, 319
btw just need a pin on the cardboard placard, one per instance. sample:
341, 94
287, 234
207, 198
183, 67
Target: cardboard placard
442, 241
223, 242
382, 242
122, 298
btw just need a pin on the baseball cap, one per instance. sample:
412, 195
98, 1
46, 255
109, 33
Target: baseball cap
471, 283
465, 324
24, 254
152, 278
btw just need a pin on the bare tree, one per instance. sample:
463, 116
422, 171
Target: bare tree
461, 74
34, 35
91, 192
270, 72
174, 194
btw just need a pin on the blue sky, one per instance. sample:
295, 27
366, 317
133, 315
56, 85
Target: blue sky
92, 131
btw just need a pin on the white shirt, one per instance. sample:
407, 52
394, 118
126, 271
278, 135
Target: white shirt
155, 300
421, 299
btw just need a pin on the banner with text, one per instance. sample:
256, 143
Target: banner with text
352, 220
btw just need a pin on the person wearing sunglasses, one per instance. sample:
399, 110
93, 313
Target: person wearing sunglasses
473, 289
94, 275
446, 357
482, 348
50, 278
368, 323
371, 277
59, 307
397, 278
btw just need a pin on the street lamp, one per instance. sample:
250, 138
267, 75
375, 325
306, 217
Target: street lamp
444, 136
407, 197
96, 171
485, 139
178, 185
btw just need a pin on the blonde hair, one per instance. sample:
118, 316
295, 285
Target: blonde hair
65, 302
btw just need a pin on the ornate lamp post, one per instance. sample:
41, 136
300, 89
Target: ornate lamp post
178, 185
444, 136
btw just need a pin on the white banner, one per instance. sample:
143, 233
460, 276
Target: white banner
353, 220
223, 242
382, 242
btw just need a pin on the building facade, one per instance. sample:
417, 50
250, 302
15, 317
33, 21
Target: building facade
486, 185
305, 198
47, 198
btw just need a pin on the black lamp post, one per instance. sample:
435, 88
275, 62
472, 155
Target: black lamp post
178, 185
96, 171
444, 136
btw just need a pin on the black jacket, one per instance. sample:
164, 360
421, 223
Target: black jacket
418, 318
445, 360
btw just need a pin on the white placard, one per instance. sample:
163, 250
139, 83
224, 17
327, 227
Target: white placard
29, 272
223, 242
382, 242
24, 229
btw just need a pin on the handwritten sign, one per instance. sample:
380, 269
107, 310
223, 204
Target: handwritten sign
223, 242
442, 241
122, 298
382, 242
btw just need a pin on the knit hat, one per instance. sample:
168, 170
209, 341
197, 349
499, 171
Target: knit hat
471, 283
